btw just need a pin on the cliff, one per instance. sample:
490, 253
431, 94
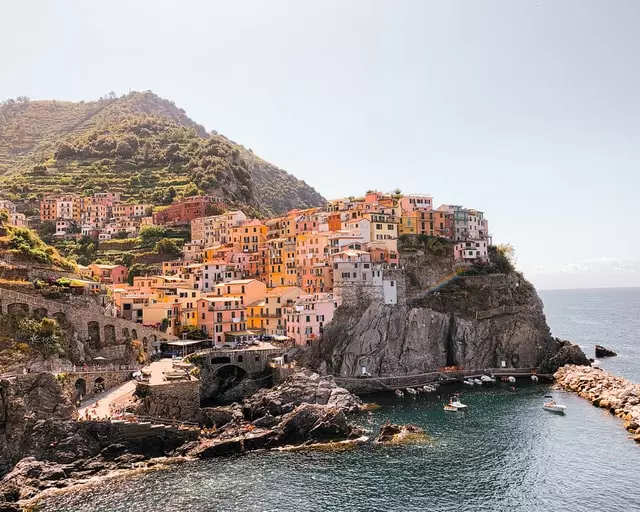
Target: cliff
480, 321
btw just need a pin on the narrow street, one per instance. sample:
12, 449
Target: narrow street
121, 394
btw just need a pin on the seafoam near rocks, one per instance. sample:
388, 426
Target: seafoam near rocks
616, 394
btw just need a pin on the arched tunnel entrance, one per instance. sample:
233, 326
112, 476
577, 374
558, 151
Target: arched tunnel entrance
216, 382
80, 389
229, 376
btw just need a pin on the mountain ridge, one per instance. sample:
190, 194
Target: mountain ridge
139, 138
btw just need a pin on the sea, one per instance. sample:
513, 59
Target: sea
504, 454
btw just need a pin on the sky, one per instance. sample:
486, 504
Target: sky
526, 110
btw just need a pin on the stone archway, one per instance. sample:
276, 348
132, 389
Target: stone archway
125, 333
39, 313
109, 335
229, 376
99, 385
93, 329
60, 317
18, 309
80, 388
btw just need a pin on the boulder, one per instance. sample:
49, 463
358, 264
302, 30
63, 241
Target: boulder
312, 422
303, 387
396, 434
568, 354
604, 352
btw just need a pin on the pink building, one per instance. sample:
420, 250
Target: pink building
471, 251
307, 317
218, 316
109, 274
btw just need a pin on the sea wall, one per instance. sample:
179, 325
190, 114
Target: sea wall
173, 400
619, 396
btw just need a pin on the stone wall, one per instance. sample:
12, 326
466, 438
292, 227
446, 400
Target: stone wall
94, 333
172, 400
81, 385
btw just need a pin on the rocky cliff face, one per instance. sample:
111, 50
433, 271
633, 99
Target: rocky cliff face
473, 322
34, 413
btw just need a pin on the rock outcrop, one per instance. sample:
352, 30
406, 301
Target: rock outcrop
604, 352
399, 434
566, 353
305, 409
472, 322
303, 387
616, 394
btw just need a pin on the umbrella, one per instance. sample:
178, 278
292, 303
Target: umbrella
99, 358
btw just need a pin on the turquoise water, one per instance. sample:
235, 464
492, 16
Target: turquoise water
505, 453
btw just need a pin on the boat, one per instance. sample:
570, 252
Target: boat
468, 382
455, 405
551, 405
412, 391
535, 378
399, 392
487, 379
511, 379
458, 404
477, 381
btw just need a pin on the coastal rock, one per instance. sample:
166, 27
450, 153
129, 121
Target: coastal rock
567, 354
303, 387
616, 394
604, 352
397, 434
477, 322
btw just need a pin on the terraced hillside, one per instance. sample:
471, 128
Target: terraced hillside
140, 145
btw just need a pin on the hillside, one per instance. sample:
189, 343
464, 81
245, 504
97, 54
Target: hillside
140, 145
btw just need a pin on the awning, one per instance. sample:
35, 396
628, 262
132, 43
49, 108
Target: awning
184, 343
239, 333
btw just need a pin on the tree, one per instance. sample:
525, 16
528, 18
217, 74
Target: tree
167, 247
149, 235
43, 337
140, 269
124, 150
47, 228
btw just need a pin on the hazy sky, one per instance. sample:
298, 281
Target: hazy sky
528, 110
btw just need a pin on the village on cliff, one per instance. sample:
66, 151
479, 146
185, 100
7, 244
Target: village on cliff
237, 278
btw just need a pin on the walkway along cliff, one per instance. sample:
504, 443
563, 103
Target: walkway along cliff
495, 320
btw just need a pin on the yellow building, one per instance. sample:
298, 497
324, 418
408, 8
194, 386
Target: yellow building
408, 223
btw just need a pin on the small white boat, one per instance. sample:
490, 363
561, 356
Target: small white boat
511, 379
478, 382
551, 405
399, 392
458, 404
428, 389
535, 378
468, 382
455, 405
412, 391
487, 379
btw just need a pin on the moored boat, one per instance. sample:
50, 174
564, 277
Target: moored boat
477, 382
511, 379
551, 405
468, 382
412, 391
487, 379
399, 392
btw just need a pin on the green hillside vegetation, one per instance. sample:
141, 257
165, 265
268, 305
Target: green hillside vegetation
154, 245
24, 245
139, 145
